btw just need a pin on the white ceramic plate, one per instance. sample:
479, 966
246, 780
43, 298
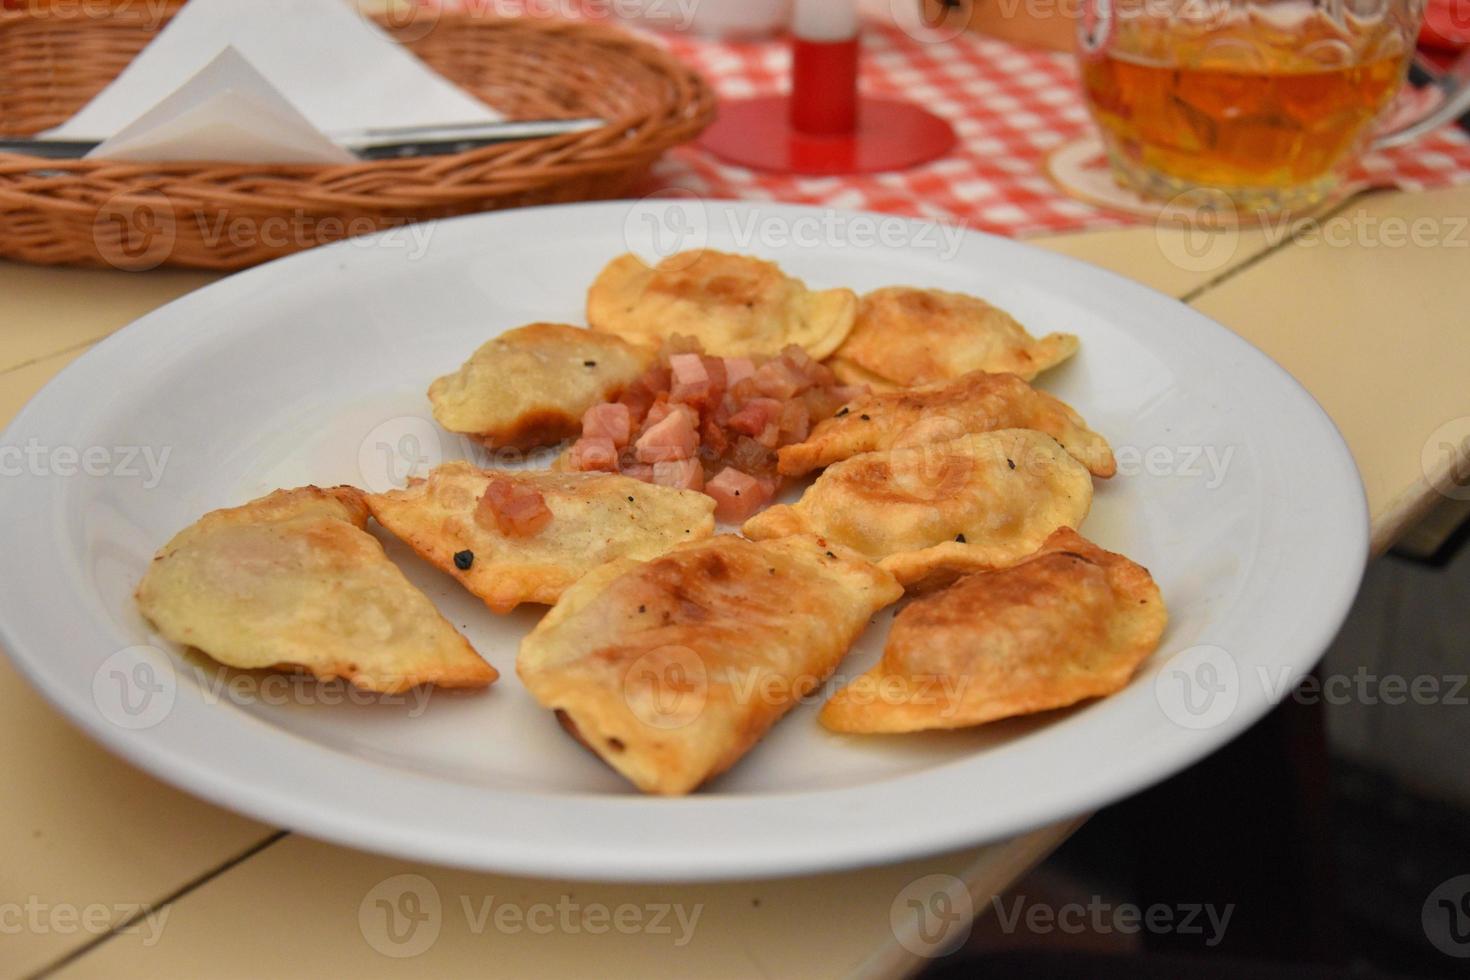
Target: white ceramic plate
1236, 491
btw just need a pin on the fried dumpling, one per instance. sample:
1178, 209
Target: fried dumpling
976, 402
671, 669
906, 336
931, 512
1070, 623
734, 305
539, 532
529, 386
292, 580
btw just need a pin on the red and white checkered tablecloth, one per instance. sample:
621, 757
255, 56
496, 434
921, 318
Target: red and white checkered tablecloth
1010, 107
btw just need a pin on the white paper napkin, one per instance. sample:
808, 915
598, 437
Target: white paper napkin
227, 112
296, 66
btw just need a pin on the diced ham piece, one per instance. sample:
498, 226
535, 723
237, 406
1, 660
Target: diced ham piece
737, 495
671, 438
778, 379
517, 510
638, 400
755, 415
795, 422
610, 421
658, 411
682, 474
712, 435
593, 453
744, 389
663, 409
737, 369
691, 380
642, 393
715, 367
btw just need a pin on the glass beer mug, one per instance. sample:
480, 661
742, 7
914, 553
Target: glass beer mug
1266, 101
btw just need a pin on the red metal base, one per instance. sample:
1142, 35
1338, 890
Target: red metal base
757, 133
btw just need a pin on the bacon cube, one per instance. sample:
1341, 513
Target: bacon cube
691, 380
737, 495
682, 474
593, 453
671, 438
778, 379
795, 422
755, 415
611, 421
737, 369
518, 510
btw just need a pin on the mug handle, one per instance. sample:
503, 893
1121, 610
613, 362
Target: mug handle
1455, 84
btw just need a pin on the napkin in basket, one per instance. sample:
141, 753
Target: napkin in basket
225, 74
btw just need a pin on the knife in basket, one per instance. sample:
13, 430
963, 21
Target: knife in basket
367, 144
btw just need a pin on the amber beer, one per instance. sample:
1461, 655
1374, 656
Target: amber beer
1268, 110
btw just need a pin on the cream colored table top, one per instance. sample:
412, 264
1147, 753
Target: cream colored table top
1371, 317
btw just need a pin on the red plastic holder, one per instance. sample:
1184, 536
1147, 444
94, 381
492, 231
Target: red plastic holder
826, 126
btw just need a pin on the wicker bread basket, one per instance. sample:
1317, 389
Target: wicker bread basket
229, 216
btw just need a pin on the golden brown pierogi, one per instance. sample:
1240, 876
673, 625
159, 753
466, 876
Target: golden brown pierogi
671, 669
291, 580
734, 305
930, 512
1069, 623
906, 336
976, 402
595, 517
529, 386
